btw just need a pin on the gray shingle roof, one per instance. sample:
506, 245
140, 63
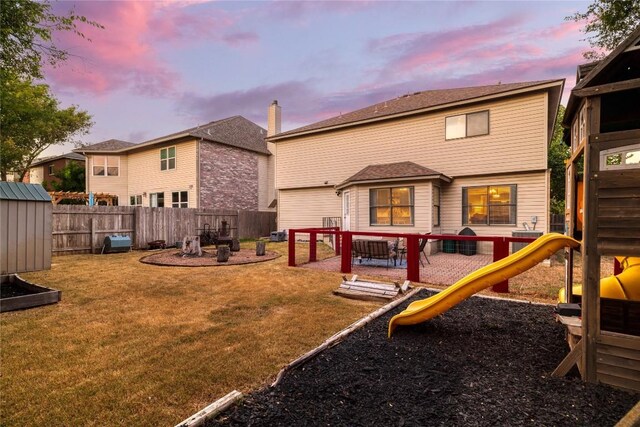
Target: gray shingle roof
108, 145
72, 156
397, 170
415, 101
235, 131
23, 191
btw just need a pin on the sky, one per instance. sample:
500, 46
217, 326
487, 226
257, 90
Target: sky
158, 67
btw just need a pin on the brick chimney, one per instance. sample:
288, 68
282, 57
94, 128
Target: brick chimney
274, 120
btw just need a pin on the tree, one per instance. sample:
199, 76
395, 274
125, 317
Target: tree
26, 28
31, 121
611, 21
71, 178
558, 153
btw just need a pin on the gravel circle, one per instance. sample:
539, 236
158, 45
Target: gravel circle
486, 362
208, 258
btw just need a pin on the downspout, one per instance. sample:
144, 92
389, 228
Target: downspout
198, 198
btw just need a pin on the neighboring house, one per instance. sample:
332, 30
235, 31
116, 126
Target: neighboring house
43, 171
434, 161
224, 164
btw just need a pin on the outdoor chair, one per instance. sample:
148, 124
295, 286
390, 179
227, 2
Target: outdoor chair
402, 249
359, 249
379, 249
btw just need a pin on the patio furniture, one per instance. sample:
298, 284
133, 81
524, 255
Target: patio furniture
402, 250
372, 249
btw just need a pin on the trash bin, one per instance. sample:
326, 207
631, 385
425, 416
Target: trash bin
449, 246
467, 247
516, 246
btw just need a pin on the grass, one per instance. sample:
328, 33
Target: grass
133, 344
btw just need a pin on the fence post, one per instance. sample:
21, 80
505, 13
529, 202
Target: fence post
313, 245
292, 248
337, 238
617, 268
413, 258
93, 235
345, 266
500, 251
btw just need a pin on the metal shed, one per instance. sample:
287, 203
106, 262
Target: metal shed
25, 228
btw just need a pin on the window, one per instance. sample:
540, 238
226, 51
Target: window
51, 170
135, 200
391, 206
436, 206
167, 158
106, 165
627, 157
493, 205
583, 125
180, 199
156, 200
466, 125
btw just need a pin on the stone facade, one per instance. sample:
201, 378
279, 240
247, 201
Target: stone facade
228, 177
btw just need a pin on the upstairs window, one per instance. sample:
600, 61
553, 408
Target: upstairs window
106, 165
167, 158
467, 125
391, 206
492, 205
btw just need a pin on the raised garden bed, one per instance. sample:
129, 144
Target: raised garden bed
17, 294
486, 362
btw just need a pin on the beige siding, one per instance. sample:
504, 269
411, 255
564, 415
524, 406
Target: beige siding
532, 194
145, 175
36, 175
517, 142
109, 184
266, 185
306, 207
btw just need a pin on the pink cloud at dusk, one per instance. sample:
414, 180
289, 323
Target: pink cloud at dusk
126, 54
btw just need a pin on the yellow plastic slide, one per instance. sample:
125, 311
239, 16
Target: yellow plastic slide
522, 260
625, 285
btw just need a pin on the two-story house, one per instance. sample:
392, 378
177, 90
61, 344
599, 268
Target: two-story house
43, 171
432, 161
224, 164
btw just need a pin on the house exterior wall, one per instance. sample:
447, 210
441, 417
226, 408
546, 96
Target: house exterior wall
36, 175
117, 185
514, 152
517, 141
145, 175
304, 208
228, 177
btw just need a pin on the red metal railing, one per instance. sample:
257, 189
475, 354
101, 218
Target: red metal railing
344, 240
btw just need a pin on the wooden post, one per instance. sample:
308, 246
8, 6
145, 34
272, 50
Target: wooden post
223, 253
345, 265
93, 234
260, 248
292, 248
413, 258
617, 268
500, 251
313, 246
590, 255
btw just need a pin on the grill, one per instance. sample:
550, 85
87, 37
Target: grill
114, 244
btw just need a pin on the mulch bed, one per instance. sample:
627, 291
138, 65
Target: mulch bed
484, 363
10, 290
208, 258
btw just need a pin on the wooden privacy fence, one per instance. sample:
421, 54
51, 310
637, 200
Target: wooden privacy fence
82, 229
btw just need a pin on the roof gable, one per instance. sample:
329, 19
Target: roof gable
393, 171
106, 146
